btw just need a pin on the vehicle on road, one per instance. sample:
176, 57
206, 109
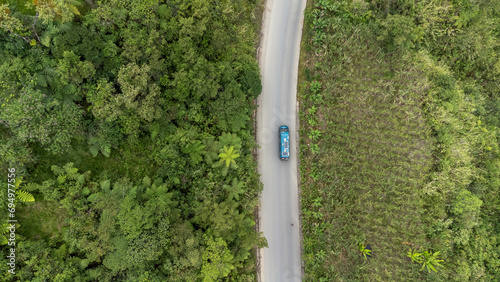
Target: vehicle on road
284, 136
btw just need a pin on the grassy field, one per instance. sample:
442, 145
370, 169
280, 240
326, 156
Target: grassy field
395, 151
366, 153
50, 220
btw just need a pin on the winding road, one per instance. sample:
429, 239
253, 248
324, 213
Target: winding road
279, 204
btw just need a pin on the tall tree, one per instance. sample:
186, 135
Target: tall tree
32, 116
216, 258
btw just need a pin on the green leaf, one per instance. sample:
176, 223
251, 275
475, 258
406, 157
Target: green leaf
61, 179
45, 40
176, 180
92, 197
146, 181
228, 155
74, 9
24, 196
94, 151
4, 228
105, 185
81, 179
19, 180
40, 79
85, 191
70, 170
106, 150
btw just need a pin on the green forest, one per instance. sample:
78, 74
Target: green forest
400, 118
126, 133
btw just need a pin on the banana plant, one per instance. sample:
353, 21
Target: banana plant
431, 261
366, 252
415, 256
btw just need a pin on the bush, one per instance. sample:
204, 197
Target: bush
250, 80
398, 32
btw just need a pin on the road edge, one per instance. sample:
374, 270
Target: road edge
262, 9
299, 191
298, 87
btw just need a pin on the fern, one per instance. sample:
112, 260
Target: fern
71, 171
99, 145
24, 196
106, 150
19, 180
4, 228
155, 130
31, 186
40, 79
227, 139
93, 274
57, 170
61, 179
94, 150
3, 239
85, 191
105, 185
211, 149
81, 179
146, 181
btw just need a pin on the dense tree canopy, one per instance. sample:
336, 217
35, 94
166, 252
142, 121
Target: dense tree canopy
130, 123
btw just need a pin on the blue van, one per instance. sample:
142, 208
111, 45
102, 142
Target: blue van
284, 136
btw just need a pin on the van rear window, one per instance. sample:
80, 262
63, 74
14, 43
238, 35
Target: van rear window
285, 150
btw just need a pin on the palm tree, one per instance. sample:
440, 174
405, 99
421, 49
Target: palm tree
228, 156
194, 150
211, 149
235, 189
